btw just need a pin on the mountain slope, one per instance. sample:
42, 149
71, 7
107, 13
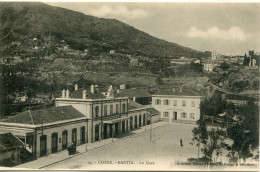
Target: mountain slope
19, 20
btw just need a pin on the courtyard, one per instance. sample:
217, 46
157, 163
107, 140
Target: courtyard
138, 152
156, 149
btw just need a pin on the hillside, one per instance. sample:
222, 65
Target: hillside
21, 21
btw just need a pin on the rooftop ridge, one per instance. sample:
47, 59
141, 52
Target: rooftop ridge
31, 116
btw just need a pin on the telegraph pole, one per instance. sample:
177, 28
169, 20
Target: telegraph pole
112, 131
150, 126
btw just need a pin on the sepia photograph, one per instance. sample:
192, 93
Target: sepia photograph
120, 85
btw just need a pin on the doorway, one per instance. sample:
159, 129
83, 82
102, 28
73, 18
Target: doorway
82, 135
175, 115
54, 142
64, 139
97, 132
43, 145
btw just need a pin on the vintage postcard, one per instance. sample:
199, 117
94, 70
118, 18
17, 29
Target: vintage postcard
129, 86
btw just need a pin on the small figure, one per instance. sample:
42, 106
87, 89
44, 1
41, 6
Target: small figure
181, 142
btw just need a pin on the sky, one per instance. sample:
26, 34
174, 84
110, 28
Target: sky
228, 28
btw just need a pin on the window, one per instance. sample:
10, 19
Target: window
166, 114
157, 101
192, 116
123, 108
183, 103
96, 111
105, 110
193, 103
166, 102
175, 103
111, 110
183, 115
117, 108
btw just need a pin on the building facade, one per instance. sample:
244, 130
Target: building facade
177, 106
49, 130
208, 67
109, 115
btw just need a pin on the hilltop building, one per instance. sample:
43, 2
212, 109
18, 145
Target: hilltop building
252, 60
215, 55
177, 105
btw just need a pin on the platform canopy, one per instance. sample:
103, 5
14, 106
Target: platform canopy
114, 119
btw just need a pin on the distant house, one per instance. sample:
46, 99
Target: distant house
197, 61
112, 51
182, 58
65, 47
208, 67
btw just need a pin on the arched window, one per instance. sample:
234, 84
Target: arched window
97, 111
123, 108
111, 110
117, 108
74, 135
105, 110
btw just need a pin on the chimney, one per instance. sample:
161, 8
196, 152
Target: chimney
110, 87
92, 89
118, 90
134, 99
180, 89
67, 94
173, 90
76, 87
84, 94
122, 86
63, 94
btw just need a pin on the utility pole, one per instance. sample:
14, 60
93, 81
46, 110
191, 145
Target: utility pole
112, 131
87, 137
145, 122
42, 126
150, 126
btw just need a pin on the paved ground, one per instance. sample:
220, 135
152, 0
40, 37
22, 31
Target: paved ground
134, 152
138, 151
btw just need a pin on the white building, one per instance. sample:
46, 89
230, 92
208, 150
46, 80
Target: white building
108, 115
177, 106
215, 55
208, 67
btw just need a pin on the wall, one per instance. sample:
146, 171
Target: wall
59, 129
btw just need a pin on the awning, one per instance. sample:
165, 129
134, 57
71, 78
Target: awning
18, 132
114, 119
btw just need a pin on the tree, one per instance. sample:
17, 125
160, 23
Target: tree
246, 61
224, 66
245, 132
199, 135
209, 142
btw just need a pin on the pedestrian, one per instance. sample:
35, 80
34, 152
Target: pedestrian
181, 142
